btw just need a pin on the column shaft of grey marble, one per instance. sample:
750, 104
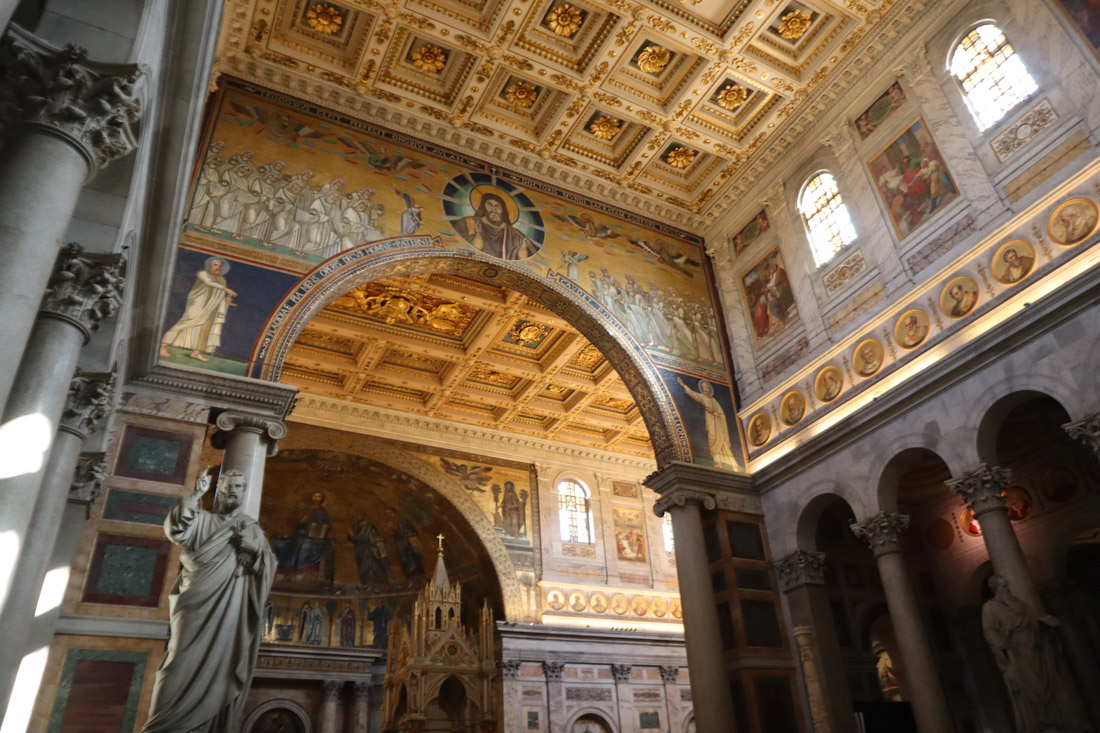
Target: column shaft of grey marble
330, 697
710, 692
673, 708
809, 606
18, 615
246, 452
360, 720
40, 179
514, 718
929, 701
625, 700
40, 389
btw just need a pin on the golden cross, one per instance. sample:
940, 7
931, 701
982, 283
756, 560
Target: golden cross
440, 538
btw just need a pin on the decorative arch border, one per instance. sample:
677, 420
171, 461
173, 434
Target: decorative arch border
602, 714
383, 451
298, 710
689, 721
902, 444
1018, 384
415, 255
812, 505
438, 678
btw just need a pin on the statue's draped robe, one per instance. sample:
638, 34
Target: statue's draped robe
217, 614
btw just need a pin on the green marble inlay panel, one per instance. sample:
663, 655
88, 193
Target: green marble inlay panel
134, 506
127, 571
649, 721
86, 694
153, 455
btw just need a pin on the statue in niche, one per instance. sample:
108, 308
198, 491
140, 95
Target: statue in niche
1029, 654
217, 608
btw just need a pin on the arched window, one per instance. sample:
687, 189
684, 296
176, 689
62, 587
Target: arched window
826, 217
666, 533
574, 512
993, 78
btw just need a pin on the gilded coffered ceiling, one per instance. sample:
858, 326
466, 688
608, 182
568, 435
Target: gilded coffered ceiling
672, 107
455, 350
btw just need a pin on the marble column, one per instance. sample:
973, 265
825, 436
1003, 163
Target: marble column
801, 577
952, 139
330, 699
360, 712
674, 711
983, 491
85, 483
883, 533
819, 709
65, 119
83, 290
248, 441
702, 634
872, 234
513, 710
555, 697
89, 401
621, 674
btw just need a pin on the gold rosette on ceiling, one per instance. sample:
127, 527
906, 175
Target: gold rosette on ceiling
565, 20
604, 128
429, 59
654, 58
521, 94
732, 97
324, 19
680, 157
794, 24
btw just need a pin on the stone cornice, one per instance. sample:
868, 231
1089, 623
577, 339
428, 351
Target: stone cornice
801, 567
370, 420
882, 532
677, 482
983, 488
90, 105
219, 390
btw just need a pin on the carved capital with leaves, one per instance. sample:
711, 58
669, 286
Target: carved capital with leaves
669, 673
882, 532
509, 668
91, 105
85, 288
88, 478
982, 489
801, 567
553, 670
1086, 432
88, 402
621, 672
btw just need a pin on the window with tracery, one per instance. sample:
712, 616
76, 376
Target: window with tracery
826, 218
991, 74
666, 533
574, 512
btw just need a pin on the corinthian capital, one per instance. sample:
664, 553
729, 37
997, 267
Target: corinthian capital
88, 402
84, 288
801, 567
91, 105
509, 668
882, 531
88, 478
621, 672
1086, 432
982, 489
915, 66
553, 670
683, 497
837, 137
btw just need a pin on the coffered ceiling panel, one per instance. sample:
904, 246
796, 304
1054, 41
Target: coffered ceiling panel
588, 94
460, 351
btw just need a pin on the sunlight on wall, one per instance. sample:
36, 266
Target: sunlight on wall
23, 694
24, 443
53, 590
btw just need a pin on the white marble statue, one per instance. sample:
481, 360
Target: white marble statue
1029, 654
217, 609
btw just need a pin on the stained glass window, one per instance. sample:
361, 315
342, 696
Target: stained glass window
574, 512
826, 218
992, 76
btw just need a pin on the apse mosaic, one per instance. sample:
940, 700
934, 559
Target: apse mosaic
354, 541
286, 194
